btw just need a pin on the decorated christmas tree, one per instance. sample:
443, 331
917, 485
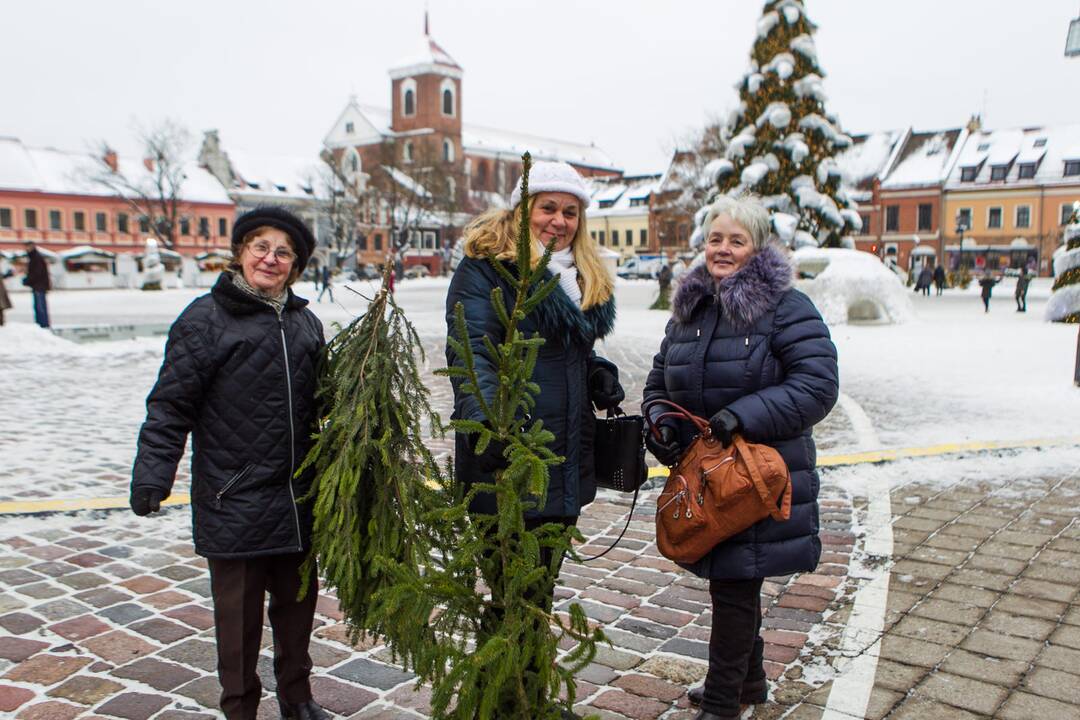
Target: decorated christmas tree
783, 141
1064, 304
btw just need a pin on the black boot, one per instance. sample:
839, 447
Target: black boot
307, 710
705, 715
754, 692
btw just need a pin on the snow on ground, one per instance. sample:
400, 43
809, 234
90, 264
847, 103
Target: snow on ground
951, 374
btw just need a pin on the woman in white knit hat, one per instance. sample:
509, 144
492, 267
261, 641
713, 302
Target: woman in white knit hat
571, 377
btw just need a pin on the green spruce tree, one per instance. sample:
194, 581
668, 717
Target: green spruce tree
783, 141
394, 534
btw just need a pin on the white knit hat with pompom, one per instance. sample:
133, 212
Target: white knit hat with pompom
553, 177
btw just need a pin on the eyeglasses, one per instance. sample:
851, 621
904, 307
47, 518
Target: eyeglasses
260, 250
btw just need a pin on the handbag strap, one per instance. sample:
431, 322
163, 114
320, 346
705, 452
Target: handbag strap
629, 517
767, 498
680, 413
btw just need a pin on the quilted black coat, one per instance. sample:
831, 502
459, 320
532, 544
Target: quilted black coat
759, 348
241, 381
561, 371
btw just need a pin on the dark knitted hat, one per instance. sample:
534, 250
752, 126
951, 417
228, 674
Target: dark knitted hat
276, 217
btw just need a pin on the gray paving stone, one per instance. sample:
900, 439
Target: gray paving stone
372, 674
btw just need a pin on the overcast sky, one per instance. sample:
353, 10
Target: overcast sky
630, 75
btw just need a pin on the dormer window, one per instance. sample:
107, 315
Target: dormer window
606, 204
349, 128
968, 174
281, 188
1040, 142
1072, 167
983, 147
1027, 171
999, 172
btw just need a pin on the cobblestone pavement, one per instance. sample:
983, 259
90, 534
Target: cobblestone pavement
105, 615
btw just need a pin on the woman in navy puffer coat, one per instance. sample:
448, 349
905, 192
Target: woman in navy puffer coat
750, 352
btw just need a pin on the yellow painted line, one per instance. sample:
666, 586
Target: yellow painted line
27, 507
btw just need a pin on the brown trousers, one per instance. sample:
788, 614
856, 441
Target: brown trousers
239, 588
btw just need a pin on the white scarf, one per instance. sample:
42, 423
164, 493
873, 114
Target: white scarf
562, 264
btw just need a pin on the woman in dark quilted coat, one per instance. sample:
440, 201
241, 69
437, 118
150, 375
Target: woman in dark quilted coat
570, 375
239, 376
748, 351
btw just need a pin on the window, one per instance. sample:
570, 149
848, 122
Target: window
101, 222
963, 218
378, 241
5, 218
30, 219
865, 224
592, 233
643, 237
892, 218
968, 174
639, 201
614, 238
121, 222
1039, 142
481, 175
448, 150
1066, 213
601, 237
998, 172
144, 224
410, 102
55, 220
204, 227
1027, 170
926, 214
361, 242
407, 153
1072, 167
983, 147
429, 240
447, 102
993, 218
354, 162
349, 128
185, 226
80, 221
606, 204
1023, 216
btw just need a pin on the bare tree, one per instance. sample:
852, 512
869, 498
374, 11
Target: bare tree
342, 199
152, 189
687, 184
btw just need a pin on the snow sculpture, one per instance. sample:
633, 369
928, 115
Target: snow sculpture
1064, 304
153, 269
849, 286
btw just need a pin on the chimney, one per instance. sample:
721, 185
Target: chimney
975, 123
110, 159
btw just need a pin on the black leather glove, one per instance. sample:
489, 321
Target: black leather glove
605, 392
666, 448
724, 424
145, 500
492, 458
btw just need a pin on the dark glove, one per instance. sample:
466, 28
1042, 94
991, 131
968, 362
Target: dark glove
665, 448
146, 500
492, 458
605, 392
724, 424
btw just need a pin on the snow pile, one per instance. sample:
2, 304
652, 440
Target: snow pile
738, 144
851, 286
796, 146
810, 86
777, 114
1066, 299
783, 64
804, 45
23, 340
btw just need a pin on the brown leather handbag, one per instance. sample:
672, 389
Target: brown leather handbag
715, 492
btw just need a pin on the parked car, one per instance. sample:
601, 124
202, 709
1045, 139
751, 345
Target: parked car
641, 267
417, 271
366, 272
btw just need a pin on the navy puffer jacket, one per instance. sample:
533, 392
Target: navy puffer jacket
758, 347
242, 381
562, 368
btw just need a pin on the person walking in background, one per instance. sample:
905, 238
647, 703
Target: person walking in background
926, 278
939, 279
1022, 283
327, 283
987, 283
5, 301
749, 351
239, 376
37, 279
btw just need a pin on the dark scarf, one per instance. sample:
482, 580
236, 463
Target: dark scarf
238, 301
744, 296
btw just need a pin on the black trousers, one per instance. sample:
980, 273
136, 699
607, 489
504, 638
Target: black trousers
735, 645
239, 590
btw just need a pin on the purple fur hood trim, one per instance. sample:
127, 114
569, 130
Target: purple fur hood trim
744, 296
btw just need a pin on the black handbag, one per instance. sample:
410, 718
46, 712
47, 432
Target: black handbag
619, 450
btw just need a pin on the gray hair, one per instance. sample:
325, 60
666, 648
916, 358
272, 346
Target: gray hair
747, 210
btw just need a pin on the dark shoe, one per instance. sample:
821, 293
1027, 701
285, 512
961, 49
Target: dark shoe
754, 692
308, 710
704, 715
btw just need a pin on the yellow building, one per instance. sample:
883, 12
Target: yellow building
1011, 191
619, 214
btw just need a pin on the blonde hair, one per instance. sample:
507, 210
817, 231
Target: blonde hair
494, 233
238, 250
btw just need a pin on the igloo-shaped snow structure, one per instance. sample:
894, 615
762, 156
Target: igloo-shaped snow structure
851, 286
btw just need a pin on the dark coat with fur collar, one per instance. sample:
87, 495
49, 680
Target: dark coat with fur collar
241, 381
561, 371
756, 346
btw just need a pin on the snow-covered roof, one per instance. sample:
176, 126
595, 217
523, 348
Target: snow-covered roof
1046, 147
275, 176
425, 55
406, 182
60, 172
924, 158
622, 193
867, 157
